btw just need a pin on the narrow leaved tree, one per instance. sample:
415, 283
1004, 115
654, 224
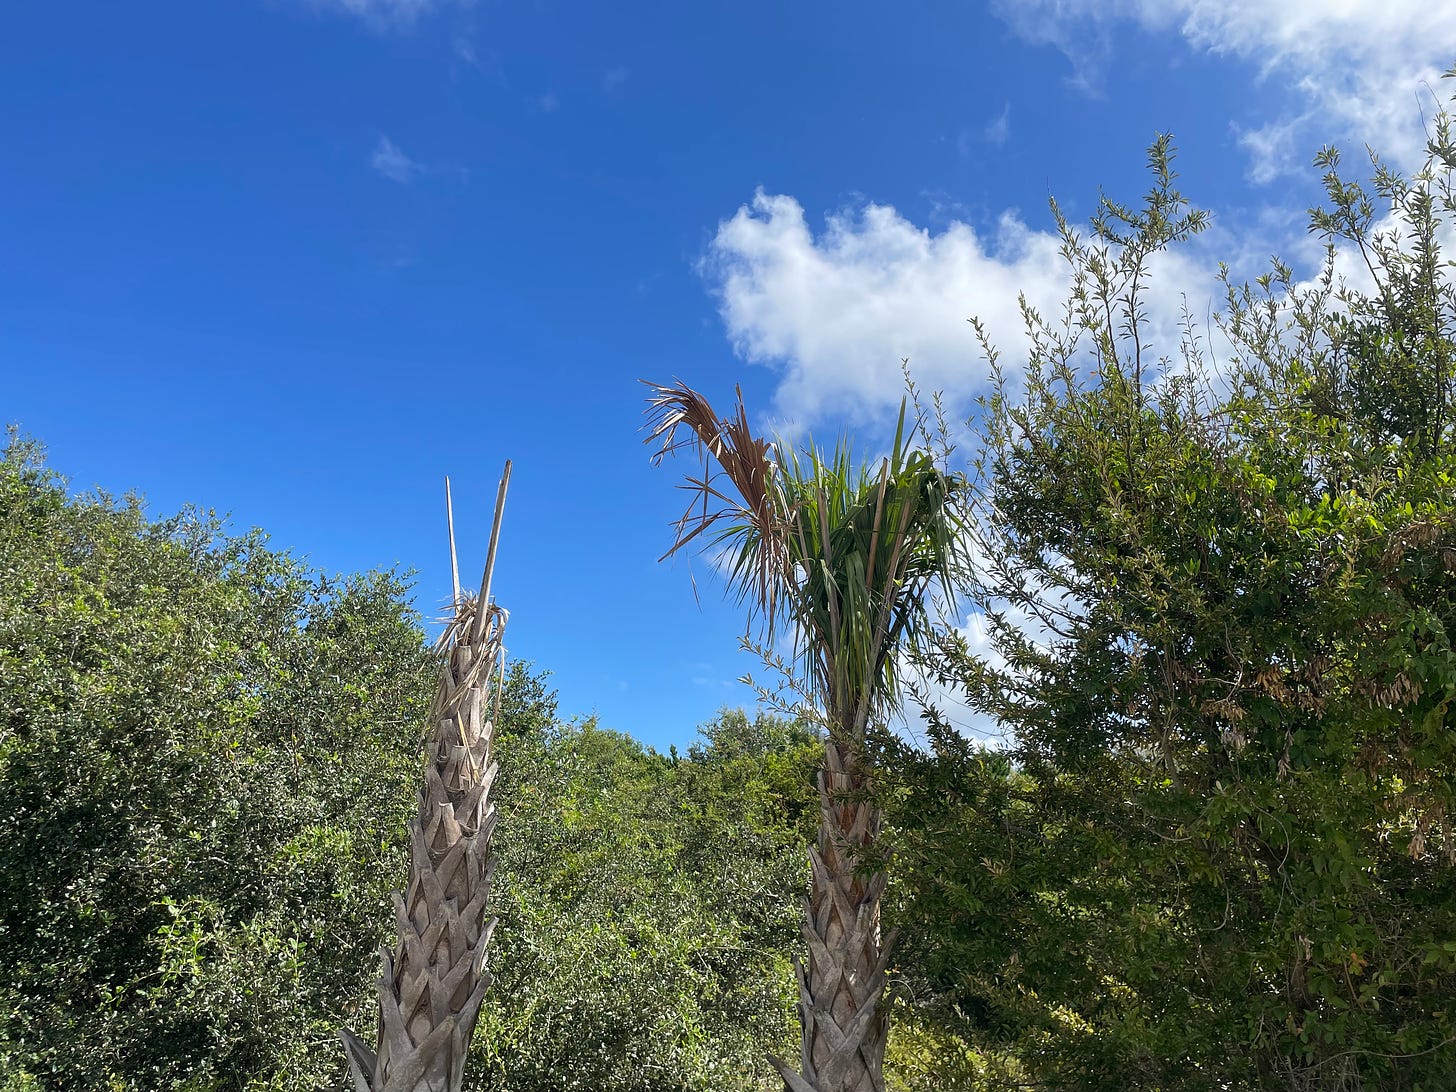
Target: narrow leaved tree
432, 983
842, 558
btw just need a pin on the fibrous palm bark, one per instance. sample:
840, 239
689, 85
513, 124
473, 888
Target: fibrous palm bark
846, 557
844, 1027
433, 980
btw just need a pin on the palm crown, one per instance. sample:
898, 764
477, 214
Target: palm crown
843, 553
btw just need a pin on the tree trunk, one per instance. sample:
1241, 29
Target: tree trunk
432, 984
843, 1026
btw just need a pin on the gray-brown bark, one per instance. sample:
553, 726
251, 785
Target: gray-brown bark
844, 1027
432, 983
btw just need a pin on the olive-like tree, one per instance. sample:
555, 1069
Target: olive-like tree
841, 558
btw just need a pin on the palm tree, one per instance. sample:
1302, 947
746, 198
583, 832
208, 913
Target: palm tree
844, 559
433, 982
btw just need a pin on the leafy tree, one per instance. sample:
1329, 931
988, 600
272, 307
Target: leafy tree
200, 742
646, 908
1220, 597
207, 757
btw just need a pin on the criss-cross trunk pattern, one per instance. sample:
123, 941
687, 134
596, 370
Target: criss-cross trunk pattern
844, 1025
433, 981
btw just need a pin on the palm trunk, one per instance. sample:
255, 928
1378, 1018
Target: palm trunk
843, 1026
432, 984
848, 558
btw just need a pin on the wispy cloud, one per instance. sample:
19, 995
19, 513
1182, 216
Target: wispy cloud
383, 15
998, 131
392, 163
970, 142
1275, 149
464, 50
1357, 68
614, 78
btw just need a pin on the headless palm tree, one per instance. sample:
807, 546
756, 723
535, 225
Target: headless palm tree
433, 982
845, 557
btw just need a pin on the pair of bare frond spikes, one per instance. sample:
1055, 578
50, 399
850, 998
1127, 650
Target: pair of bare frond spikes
482, 600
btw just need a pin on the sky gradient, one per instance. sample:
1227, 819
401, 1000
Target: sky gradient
297, 261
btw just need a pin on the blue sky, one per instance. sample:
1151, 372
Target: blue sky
298, 260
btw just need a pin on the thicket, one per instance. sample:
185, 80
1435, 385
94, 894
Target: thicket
207, 754
1220, 590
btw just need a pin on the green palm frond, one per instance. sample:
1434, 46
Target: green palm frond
845, 554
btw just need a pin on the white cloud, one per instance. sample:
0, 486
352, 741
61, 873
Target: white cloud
998, 131
840, 311
1360, 68
836, 313
1275, 149
392, 163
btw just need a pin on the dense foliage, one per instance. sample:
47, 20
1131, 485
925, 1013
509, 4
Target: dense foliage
207, 755
1220, 597
648, 909
202, 752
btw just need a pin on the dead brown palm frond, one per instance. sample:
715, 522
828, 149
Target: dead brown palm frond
753, 514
